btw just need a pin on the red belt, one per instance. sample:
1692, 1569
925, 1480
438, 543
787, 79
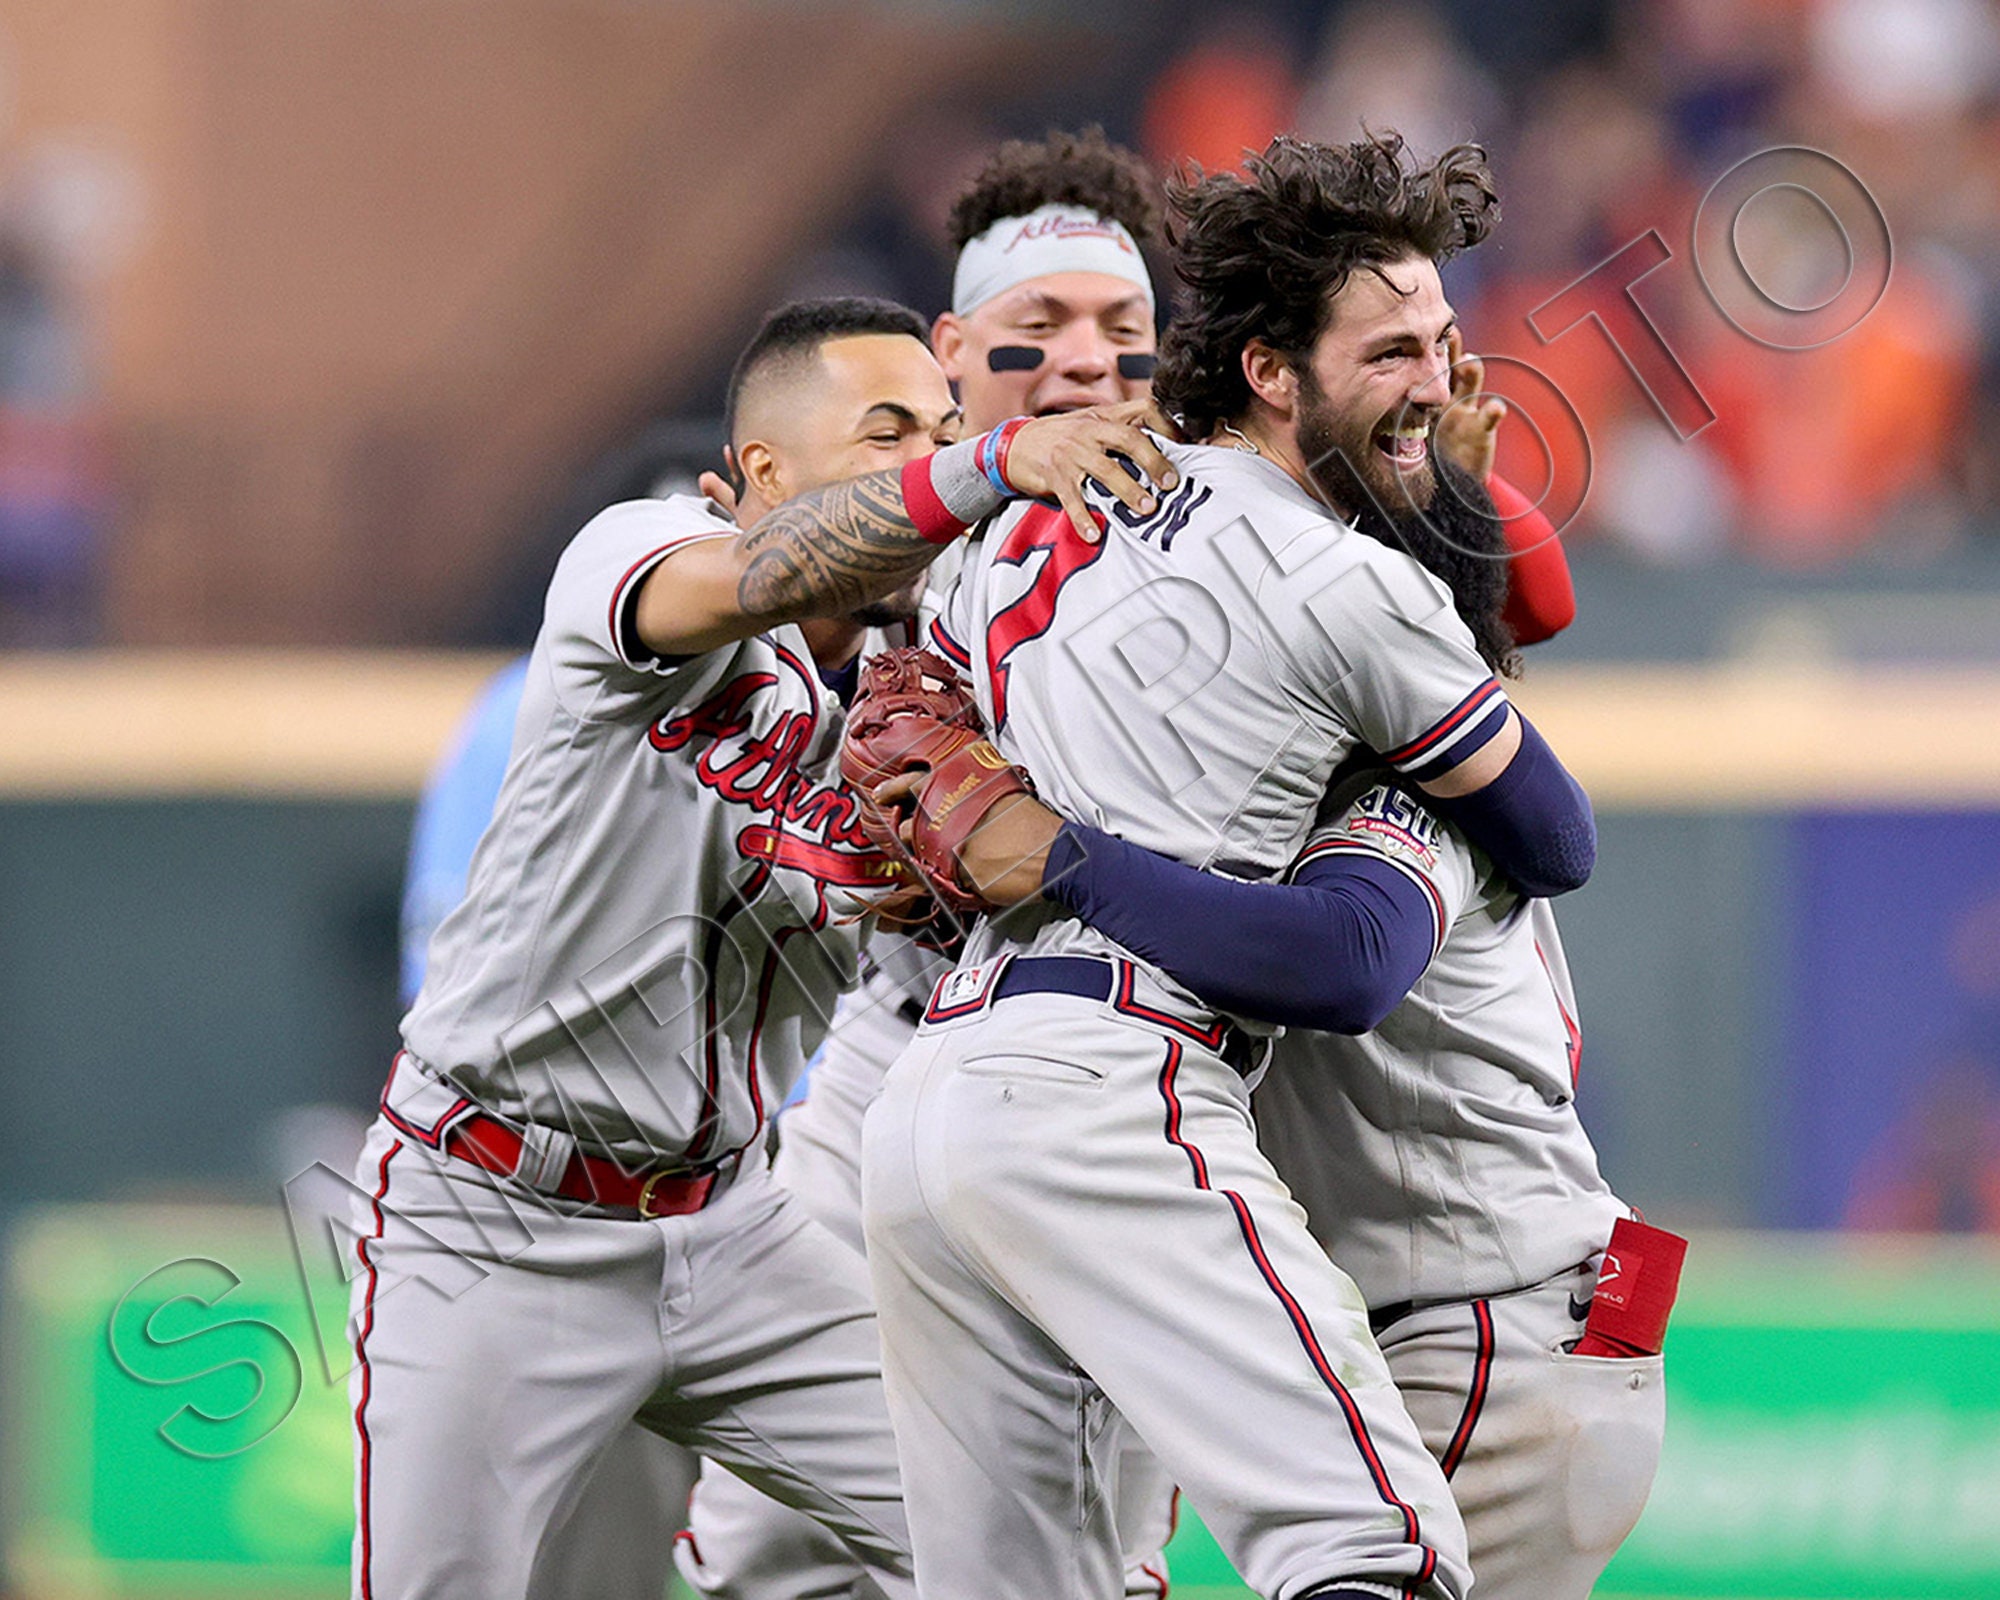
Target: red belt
662, 1192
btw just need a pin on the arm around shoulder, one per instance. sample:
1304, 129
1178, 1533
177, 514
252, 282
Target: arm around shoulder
1336, 949
1523, 810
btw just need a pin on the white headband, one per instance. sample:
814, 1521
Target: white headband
1053, 239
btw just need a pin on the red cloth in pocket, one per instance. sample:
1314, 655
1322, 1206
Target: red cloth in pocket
1635, 1291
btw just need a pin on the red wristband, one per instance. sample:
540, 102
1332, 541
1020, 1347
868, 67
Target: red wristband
927, 512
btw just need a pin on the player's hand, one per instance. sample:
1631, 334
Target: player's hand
1051, 458
1468, 434
1002, 859
716, 487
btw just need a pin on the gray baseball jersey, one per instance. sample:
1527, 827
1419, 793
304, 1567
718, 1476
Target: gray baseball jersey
1061, 1177
1440, 1157
1210, 667
650, 1011
1442, 1165
657, 922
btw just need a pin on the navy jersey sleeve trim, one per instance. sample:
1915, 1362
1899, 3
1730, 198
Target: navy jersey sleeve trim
625, 642
1454, 736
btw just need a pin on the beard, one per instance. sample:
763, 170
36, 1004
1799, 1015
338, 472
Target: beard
1346, 466
1439, 516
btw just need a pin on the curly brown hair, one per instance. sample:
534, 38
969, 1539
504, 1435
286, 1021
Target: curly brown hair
1072, 169
1262, 256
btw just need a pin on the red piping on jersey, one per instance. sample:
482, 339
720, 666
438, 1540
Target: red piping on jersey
1569, 1022
1357, 1427
809, 678
1157, 1575
764, 982
1452, 719
950, 648
433, 1136
1122, 1001
649, 559
1475, 1400
368, 1375
711, 1079
711, 1086
1173, 1100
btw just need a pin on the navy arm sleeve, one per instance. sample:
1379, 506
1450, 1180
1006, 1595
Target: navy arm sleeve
1335, 950
1534, 820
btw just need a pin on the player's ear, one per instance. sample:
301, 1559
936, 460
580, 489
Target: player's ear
948, 344
1271, 377
760, 472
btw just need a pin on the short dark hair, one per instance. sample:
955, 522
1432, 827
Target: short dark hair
1071, 169
798, 328
1262, 256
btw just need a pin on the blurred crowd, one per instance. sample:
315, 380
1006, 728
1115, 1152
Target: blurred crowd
1607, 122
54, 476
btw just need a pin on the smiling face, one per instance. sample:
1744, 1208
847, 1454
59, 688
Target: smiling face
1079, 323
857, 404
1378, 380
879, 400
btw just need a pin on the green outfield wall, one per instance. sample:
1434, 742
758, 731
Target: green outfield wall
177, 1381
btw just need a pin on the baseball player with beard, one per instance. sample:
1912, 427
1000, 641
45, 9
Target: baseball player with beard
566, 1221
1432, 1136
1067, 1214
1439, 1154
1052, 310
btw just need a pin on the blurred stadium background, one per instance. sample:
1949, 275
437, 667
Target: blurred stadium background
319, 319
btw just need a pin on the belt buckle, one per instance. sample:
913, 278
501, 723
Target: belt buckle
644, 1204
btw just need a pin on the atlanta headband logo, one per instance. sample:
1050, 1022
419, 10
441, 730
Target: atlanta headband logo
1070, 228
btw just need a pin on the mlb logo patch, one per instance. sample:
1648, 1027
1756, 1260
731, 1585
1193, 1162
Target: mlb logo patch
961, 992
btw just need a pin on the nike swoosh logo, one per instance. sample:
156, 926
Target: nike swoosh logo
1579, 1310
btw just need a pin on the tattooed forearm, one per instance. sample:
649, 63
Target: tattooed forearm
832, 551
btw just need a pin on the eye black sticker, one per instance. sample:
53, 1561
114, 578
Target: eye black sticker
1013, 358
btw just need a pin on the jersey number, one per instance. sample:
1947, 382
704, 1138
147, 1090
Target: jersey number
1044, 528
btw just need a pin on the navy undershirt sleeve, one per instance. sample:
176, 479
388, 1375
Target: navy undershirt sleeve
1336, 950
1534, 820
